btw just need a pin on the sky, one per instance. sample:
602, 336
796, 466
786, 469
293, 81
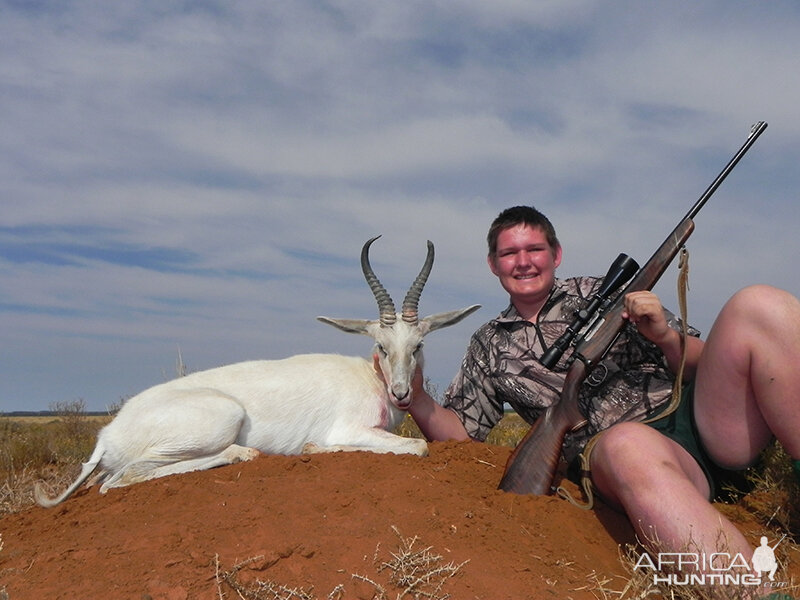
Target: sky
196, 179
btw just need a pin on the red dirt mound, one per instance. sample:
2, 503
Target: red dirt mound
324, 525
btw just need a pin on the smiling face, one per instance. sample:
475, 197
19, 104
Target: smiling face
525, 263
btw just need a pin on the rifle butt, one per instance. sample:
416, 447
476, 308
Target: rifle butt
532, 466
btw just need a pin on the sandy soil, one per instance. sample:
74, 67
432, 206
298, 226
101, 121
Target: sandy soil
325, 524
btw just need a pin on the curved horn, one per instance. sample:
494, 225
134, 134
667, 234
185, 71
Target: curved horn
385, 305
411, 302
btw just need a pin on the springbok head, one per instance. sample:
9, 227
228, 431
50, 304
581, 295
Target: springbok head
398, 336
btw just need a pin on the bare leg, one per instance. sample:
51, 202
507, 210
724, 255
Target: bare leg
663, 491
748, 380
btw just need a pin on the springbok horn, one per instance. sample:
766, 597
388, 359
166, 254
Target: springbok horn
385, 305
411, 302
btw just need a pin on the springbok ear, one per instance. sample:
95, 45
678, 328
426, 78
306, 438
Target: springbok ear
348, 325
445, 319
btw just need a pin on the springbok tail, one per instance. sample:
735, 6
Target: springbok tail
41, 497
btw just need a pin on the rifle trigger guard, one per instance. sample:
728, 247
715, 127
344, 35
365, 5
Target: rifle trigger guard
596, 377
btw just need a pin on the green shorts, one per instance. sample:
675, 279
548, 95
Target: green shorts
681, 427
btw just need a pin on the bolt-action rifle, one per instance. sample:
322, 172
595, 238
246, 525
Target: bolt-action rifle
531, 467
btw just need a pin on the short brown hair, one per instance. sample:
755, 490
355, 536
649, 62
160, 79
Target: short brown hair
520, 215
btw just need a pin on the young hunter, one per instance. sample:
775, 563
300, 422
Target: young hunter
741, 388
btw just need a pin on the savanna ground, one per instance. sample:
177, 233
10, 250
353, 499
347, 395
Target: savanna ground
336, 526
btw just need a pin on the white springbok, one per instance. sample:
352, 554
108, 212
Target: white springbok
305, 403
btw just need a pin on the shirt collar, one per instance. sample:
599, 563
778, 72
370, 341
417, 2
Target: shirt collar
511, 315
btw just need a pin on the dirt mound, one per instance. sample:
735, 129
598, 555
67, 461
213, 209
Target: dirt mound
329, 525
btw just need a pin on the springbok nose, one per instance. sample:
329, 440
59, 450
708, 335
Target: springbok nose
400, 393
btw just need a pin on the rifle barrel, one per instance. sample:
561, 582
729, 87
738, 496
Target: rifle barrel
756, 131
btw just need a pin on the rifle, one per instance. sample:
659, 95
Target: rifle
532, 465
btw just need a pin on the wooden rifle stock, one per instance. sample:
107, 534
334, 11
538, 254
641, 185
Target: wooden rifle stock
532, 466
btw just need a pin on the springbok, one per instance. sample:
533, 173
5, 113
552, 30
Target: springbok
304, 403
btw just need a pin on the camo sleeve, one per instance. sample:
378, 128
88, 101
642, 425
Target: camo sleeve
471, 395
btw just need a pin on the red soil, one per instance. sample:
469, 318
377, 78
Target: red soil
317, 521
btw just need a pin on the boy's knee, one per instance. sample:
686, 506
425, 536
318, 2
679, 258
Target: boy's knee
763, 299
619, 463
620, 447
760, 309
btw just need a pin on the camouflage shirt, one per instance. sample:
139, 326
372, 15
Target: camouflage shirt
501, 366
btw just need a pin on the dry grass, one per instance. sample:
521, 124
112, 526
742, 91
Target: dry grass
775, 497
413, 570
47, 449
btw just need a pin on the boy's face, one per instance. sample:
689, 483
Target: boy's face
525, 263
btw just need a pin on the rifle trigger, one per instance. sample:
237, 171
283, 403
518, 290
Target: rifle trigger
580, 425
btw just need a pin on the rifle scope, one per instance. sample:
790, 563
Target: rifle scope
621, 270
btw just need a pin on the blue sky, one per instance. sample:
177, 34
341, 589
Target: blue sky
201, 176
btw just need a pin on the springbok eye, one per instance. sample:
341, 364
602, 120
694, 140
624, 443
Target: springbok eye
418, 348
381, 349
